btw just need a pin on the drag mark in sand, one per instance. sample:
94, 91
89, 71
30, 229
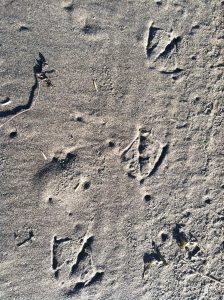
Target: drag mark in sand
40, 75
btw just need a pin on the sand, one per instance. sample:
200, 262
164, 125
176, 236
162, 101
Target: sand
111, 149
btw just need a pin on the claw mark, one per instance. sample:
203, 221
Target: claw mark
174, 71
61, 241
95, 278
24, 240
78, 286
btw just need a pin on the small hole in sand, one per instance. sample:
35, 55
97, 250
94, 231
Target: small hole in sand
13, 134
79, 119
208, 201
111, 144
147, 198
86, 185
164, 237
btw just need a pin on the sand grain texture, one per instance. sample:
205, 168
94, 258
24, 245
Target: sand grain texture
111, 149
